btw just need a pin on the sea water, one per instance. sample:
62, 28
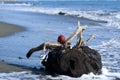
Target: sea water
43, 24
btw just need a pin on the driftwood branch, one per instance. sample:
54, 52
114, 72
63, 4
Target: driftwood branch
89, 39
49, 45
80, 42
78, 30
43, 47
82, 28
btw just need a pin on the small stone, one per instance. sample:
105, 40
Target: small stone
3, 61
20, 58
61, 13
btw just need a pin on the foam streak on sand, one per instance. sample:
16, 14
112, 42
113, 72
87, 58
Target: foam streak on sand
9, 29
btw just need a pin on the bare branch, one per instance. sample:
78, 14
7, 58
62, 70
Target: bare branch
89, 39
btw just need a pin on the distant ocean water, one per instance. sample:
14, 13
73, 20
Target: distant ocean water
103, 11
41, 18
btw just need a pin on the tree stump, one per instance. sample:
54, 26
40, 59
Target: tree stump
73, 62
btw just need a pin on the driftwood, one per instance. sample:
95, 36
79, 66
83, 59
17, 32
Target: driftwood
73, 62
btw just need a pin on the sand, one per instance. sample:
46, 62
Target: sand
9, 29
6, 67
6, 30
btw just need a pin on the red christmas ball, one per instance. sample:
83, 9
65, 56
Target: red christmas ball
61, 39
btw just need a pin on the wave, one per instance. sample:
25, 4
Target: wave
112, 44
29, 75
110, 52
3, 4
111, 18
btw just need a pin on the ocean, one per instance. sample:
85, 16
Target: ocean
43, 24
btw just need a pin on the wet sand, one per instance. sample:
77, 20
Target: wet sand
6, 67
9, 29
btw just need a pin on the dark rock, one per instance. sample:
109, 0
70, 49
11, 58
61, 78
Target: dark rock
61, 13
73, 62
20, 57
3, 61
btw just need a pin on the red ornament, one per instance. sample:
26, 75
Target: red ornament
61, 39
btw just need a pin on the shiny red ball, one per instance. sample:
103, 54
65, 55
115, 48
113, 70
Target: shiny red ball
61, 39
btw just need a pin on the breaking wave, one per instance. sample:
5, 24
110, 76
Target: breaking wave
110, 18
110, 52
3, 4
28, 75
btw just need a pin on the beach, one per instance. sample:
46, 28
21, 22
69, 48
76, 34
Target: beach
13, 72
7, 68
27, 24
9, 29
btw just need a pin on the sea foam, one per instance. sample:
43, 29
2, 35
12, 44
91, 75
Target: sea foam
28, 75
109, 17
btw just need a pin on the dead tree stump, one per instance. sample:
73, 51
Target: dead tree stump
73, 62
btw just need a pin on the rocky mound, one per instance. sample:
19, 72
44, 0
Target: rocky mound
73, 62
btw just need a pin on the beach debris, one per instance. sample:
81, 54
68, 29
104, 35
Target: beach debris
3, 61
74, 61
20, 57
61, 13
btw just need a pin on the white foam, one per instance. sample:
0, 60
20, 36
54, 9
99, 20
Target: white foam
111, 45
110, 52
112, 18
28, 75
18, 76
15, 4
106, 75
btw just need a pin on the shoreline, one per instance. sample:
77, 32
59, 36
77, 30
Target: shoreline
7, 29
7, 68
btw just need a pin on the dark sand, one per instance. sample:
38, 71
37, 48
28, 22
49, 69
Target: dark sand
6, 30
6, 67
9, 29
